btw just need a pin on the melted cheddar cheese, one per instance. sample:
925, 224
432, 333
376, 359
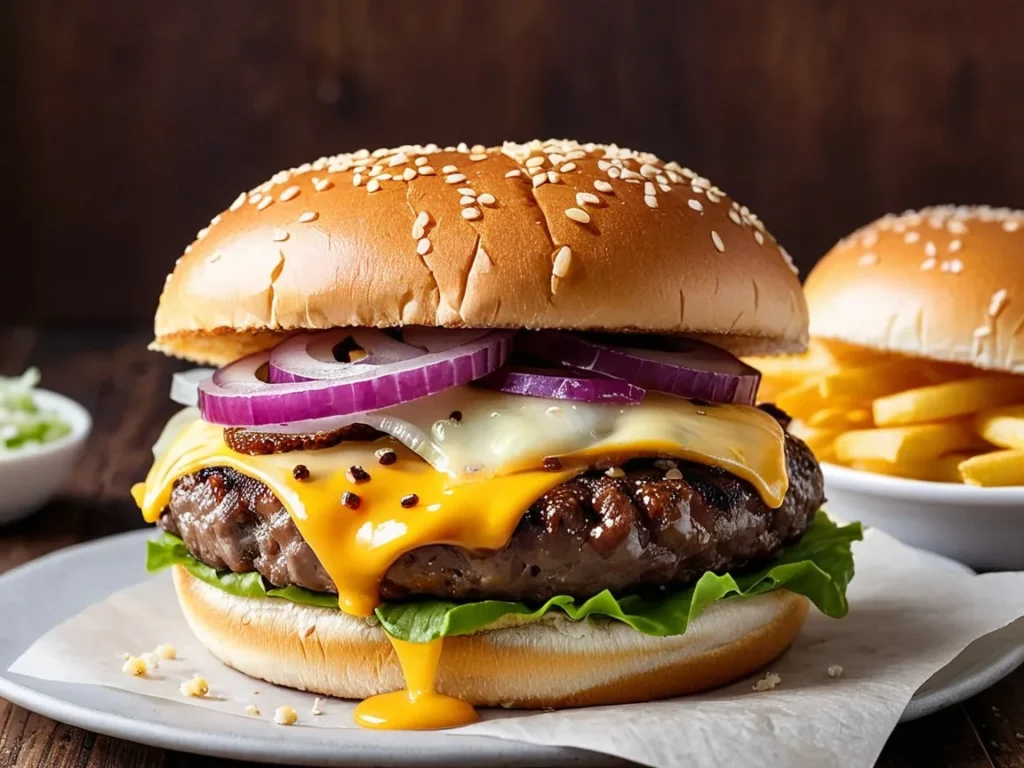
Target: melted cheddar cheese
486, 470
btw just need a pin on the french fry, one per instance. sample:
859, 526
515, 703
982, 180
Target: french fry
835, 417
1002, 426
998, 468
774, 385
947, 401
941, 469
814, 361
871, 381
820, 441
900, 444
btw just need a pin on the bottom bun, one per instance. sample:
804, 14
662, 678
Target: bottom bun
550, 663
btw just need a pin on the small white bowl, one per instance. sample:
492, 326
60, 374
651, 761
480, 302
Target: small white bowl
31, 476
981, 527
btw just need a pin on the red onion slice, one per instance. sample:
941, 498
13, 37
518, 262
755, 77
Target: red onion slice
311, 356
184, 385
562, 385
678, 366
235, 396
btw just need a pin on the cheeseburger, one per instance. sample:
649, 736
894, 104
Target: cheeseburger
477, 434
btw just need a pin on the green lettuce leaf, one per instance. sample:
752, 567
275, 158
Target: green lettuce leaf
819, 566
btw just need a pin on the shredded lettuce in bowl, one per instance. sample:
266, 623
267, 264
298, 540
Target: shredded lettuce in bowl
22, 422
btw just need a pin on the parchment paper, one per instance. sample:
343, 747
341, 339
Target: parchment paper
909, 617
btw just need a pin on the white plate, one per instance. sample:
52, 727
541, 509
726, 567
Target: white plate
982, 527
105, 566
31, 476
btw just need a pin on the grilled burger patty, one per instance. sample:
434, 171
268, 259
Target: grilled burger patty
588, 534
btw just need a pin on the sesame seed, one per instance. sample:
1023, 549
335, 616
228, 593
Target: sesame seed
735, 218
478, 156
423, 218
486, 199
409, 174
540, 178
911, 237
279, 236
651, 200
664, 187
357, 179
982, 331
513, 173
602, 186
386, 456
307, 216
423, 246
454, 178
587, 198
535, 162
467, 200
420, 161
426, 170
376, 170
471, 213
614, 173
202, 233
463, 148
399, 159
238, 203
956, 226
867, 260
578, 215
449, 169
695, 204
373, 185
717, 240
648, 171
604, 165
552, 463
650, 189
930, 249
288, 194
615, 472
998, 302
928, 264
553, 177
568, 167
562, 260
356, 474
674, 474
1011, 225
265, 203
758, 237
417, 231
255, 198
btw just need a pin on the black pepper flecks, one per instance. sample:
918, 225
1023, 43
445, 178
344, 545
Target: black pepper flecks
350, 500
357, 474
456, 416
387, 457
301, 472
410, 501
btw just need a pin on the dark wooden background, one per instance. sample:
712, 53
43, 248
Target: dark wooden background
127, 125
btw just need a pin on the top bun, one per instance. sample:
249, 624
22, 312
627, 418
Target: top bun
945, 283
540, 235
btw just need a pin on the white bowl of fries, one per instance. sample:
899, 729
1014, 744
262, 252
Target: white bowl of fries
930, 452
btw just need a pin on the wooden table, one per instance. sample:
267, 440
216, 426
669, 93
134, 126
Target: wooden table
125, 388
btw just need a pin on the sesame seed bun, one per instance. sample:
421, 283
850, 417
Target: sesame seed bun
945, 283
328, 652
539, 235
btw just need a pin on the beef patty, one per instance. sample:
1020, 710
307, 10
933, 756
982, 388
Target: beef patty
588, 534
